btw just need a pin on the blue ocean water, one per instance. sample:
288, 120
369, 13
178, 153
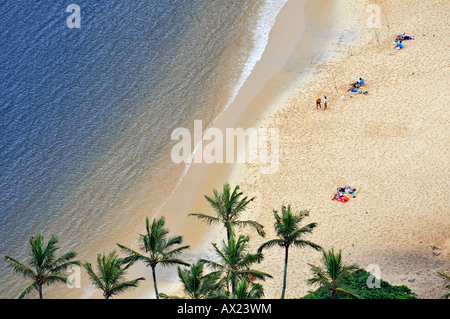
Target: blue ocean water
67, 95
65, 91
85, 111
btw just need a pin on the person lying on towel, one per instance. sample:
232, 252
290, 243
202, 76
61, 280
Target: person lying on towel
346, 190
403, 36
349, 190
340, 197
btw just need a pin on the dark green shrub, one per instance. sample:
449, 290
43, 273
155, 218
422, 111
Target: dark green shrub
357, 283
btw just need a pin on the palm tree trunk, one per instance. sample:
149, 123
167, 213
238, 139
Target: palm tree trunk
40, 291
227, 226
285, 272
154, 282
333, 290
333, 294
233, 286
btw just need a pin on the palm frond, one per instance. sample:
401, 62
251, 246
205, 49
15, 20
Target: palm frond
172, 261
213, 264
133, 255
164, 296
208, 219
28, 289
256, 273
65, 258
319, 277
257, 226
447, 278
55, 278
125, 286
306, 243
175, 240
64, 266
243, 290
20, 267
174, 252
348, 292
271, 243
93, 276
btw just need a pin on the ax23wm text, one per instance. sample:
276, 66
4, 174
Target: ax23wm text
227, 308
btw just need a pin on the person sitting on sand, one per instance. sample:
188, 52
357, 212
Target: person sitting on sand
346, 190
338, 195
357, 84
349, 190
399, 45
341, 191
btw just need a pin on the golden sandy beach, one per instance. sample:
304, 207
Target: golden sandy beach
392, 145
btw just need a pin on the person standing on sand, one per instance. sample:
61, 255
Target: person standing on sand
318, 101
399, 45
325, 103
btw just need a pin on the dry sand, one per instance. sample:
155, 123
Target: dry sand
393, 145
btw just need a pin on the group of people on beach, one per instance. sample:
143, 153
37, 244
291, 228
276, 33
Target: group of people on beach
342, 191
357, 87
319, 103
399, 40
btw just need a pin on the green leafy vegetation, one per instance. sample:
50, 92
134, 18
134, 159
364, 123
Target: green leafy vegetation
357, 283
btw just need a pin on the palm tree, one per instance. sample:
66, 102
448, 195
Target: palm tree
228, 208
158, 247
196, 284
447, 278
111, 272
289, 233
235, 262
245, 291
333, 275
44, 267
